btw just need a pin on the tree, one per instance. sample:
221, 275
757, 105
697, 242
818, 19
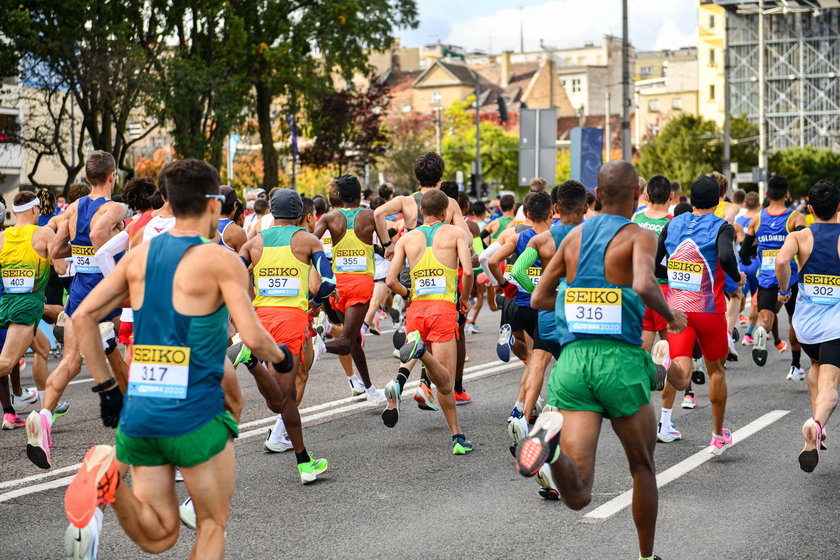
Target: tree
411, 135
803, 167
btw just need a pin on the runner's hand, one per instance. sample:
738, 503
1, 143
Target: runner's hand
678, 323
742, 281
783, 299
110, 406
389, 252
464, 305
510, 290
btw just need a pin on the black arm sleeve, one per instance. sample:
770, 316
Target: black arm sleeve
379, 250
662, 255
726, 252
747, 249
484, 235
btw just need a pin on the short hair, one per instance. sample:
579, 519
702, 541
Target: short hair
751, 200
823, 198
642, 184
777, 187
429, 169
538, 184
332, 194
376, 202
23, 197
722, 182
539, 206
138, 193
98, 166
321, 205
450, 189
231, 200
464, 202
188, 182
739, 196
77, 191
617, 180
434, 203
479, 208
385, 192
571, 197
261, 206
682, 208
349, 188
507, 202
659, 189
366, 193
308, 206
676, 187
46, 202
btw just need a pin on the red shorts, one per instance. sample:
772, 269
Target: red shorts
437, 321
708, 329
652, 320
126, 332
352, 289
287, 325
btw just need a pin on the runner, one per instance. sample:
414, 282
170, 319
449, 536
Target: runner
742, 223
381, 293
601, 370
231, 234
817, 318
182, 420
494, 229
434, 252
478, 215
769, 230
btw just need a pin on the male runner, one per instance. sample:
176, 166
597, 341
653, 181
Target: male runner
769, 230
231, 235
173, 412
434, 251
602, 371
735, 296
752, 209
494, 229
817, 318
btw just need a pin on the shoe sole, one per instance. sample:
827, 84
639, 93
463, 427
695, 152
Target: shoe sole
532, 453
187, 516
62, 413
81, 498
504, 345
717, 451
307, 478
390, 416
809, 458
667, 439
698, 377
759, 349
459, 449
688, 406
77, 543
459, 403
34, 442
398, 339
409, 350
549, 494
273, 447
423, 402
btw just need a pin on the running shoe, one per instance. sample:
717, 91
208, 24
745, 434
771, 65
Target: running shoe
395, 315
661, 355
318, 348
413, 349
517, 425
318, 323
782, 346
179, 477
472, 328
796, 373
548, 490
38, 439
12, 421
668, 434
357, 386
60, 410
94, 485
461, 445
462, 398
186, 512
742, 319
747, 340
733, 351
810, 454
365, 329
310, 470
689, 401
532, 453
391, 415
538, 407
719, 443
505, 343
58, 328
759, 349
823, 446
375, 329
395, 354
278, 443
83, 544
240, 354
28, 397
375, 396
398, 338
425, 397
735, 334
698, 376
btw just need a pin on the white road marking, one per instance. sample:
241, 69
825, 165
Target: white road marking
57, 483
683, 467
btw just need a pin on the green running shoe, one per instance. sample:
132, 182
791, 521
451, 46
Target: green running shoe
240, 354
61, 409
309, 471
461, 446
413, 348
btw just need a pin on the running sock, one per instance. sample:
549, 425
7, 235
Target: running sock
9, 410
646, 557
456, 436
41, 397
459, 385
520, 406
794, 358
665, 419
750, 328
48, 414
424, 377
302, 457
402, 377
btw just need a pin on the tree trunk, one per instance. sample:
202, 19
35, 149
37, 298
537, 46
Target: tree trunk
269, 152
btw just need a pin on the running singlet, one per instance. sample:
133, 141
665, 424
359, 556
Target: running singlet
656, 225
503, 223
23, 270
589, 306
818, 302
720, 210
157, 226
223, 224
81, 247
770, 235
523, 298
326, 241
546, 320
280, 279
430, 278
350, 255
695, 277
175, 377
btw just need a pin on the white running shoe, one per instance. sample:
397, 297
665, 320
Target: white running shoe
546, 482
505, 343
357, 387
83, 544
796, 374
186, 512
27, 398
178, 476
689, 401
318, 348
667, 435
375, 396
661, 355
365, 330
277, 443
517, 427
395, 354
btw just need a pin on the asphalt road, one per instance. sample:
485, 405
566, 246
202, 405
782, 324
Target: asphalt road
400, 493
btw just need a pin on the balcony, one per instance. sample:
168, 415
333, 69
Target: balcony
11, 158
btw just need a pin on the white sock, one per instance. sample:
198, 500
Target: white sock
41, 397
520, 405
665, 419
48, 414
279, 428
95, 530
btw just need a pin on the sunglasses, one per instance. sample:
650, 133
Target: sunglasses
219, 197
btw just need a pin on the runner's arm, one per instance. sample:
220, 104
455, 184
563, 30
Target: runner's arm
327, 287
726, 252
788, 251
644, 280
465, 258
100, 232
545, 294
104, 256
380, 215
60, 244
520, 268
484, 259
393, 278
662, 255
506, 250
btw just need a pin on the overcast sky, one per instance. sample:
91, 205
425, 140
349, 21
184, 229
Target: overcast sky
494, 24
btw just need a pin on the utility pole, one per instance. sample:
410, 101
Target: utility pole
477, 136
626, 147
762, 117
727, 163
607, 131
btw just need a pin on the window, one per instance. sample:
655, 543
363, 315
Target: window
563, 83
712, 92
711, 57
647, 70
711, 22
653, 105
9, 129
676, 104
576, 85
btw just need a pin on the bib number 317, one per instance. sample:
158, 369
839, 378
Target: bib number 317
159, 371
593, 310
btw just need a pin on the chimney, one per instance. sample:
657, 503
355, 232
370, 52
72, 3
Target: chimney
505, 77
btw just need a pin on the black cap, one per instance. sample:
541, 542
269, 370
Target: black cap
705, 192
286, 204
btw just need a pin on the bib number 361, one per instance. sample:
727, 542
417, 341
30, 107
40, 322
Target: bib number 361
593, 310
159, 371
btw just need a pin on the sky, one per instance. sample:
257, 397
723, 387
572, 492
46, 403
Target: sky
494, 24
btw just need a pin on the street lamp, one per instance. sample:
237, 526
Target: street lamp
436, 105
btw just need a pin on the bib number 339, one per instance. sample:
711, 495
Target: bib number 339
159, 371
593, 310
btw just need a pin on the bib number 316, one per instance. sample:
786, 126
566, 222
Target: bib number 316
593, 310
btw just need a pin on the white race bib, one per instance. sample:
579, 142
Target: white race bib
83, 260
350, 264
768, 260
509, 274
685, 275
823, 289
535, 274
593, 310
159, 371
430, 285
18, 280
278, 286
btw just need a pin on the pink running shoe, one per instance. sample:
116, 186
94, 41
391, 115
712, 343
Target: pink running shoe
39, 439
719, 443
12, 421
747, 340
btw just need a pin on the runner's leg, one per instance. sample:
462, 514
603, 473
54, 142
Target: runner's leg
18, 339
574, 470
439, 362
233, 394
148, 512
717, 393
68, 368
210, 485
533, 386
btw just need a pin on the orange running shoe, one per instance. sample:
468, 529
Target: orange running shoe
462, 398
425, 398
782, 346
94, 485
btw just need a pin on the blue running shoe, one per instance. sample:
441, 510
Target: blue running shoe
505, 343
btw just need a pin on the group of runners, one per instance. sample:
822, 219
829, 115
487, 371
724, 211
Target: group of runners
587, 282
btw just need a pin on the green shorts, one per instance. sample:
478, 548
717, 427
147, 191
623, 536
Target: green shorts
21, 309
605, 376
186, 450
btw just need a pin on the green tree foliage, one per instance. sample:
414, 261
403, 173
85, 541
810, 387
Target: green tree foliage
803, 167
411, 134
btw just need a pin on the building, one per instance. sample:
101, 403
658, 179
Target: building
661, 99
711, 42
653, 64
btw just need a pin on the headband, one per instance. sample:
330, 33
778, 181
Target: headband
25, 207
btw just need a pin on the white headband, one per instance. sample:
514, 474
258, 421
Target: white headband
25, 207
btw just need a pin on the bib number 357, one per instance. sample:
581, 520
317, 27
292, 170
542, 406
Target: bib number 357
593, 310
159, 371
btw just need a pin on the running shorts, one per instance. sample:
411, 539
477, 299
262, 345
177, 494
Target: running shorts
381, 272
653, 321
527, 319
21, 309
82, 285
187, 450
708, 329
729, 285
751, 272
288, 325
54, 294
436, 321
547, 326
353, 289
605, 376
508, 307
827, 353
126, 334
768, 299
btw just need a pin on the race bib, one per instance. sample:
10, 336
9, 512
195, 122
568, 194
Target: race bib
823, 289
593, 310
535, 273
345, 262
685, 275
159, 371
768, 260
427, 282
278, 286
83, 259
509, 274
18, 280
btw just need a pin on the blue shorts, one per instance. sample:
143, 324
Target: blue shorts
82, 285
729, 285
547, 327
751, 272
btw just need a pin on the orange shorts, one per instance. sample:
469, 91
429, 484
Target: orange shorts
437, 321
352, 289
287, 325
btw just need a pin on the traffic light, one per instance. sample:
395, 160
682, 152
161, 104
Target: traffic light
473, 186
503, 114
